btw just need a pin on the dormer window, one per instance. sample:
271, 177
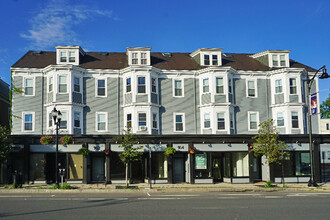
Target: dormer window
214, 60
138, 55
206, 60
72, 57
210, 60
207, 56
63, 56
278, 60
273, 58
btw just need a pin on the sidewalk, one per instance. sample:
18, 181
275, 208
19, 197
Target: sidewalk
184, 187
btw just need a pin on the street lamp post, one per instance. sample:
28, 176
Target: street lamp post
57, 116
324, 75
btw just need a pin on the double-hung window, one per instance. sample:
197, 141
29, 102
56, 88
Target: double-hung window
141, 84
28, 122
293, 86
77, 119
129, 120
72, 57
253, 118
205, 85
76, 84
63, 56
153, 85
280, 119
135, 58
29, 84
50, 84
178, 87
179, 121
221, 121
219, 85
231, 121
214, 60
144, 58
101, 85
282, 60
278, 86
101, 121
64, 121
275, 60
50, 120
207, 120
206, 59
142, 119
229, 86
154, 120
294, 120
251, 91
62, 84
128, 85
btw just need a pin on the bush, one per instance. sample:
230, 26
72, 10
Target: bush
64, 186
268, 184
169, 151
84, 151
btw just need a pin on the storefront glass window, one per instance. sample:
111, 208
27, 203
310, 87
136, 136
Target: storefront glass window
159, 165
202, 166
37, 167
226, 165
240, 164
302, 164
117, 167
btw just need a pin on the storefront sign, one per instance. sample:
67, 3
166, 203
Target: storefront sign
200, 161
181, 147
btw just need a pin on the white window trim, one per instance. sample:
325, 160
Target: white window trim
209, 128
125, 85
156, 85
106, 121
183, 122
152, 121
125, 120
249, 113
224, 116
284, 122
106, 86
210, 57
286, 56
223, 85
145, 85
139, 58
80, 84
34, 85
208, 78
33, 121
182, 87
58, 84
281, 86
298, 119
138, 121
289, 90
255, 88
48, 83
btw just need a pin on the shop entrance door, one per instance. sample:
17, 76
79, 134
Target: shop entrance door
217, 169
98, 168
178, 170
256, 169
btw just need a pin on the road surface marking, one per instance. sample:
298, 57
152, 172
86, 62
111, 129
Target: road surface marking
14, 196
180, 195
245, 194
148, 194
273, 197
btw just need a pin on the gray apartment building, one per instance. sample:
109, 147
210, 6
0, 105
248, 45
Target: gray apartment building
206, 100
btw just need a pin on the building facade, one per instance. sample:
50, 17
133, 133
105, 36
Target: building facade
207, 100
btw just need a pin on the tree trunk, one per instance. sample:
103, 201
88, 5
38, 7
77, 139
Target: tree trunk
267, 168
126, 174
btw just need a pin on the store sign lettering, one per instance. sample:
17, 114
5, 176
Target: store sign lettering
200, 161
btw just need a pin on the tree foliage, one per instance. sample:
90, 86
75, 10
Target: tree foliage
130, 153
4, 143
325, 108
268, 143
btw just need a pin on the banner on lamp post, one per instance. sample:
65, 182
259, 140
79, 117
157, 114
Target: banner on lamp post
314, 104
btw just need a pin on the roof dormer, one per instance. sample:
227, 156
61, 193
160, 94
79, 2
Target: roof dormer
138, 56
207, 56
273, 58
68, 54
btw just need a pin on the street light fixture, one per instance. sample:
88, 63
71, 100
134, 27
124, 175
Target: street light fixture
57, 116
324, 75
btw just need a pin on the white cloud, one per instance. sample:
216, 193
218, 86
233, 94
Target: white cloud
55, 24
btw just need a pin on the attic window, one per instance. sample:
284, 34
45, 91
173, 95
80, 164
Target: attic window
279, 60
72, 57
63, 56
210, 59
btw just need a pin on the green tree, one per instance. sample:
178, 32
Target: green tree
267, 144
131, 153
4, 143
325, 108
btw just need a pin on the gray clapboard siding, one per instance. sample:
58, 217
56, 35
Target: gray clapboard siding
62, 97
206, 98
179, 105
220, 98
128, 98
279, 98
50, 97
77, 130
154, 98
142, 98
246, 104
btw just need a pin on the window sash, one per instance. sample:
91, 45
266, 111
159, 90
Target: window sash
282, 60
101, 87
50, 85
205, 85
28, 86
63, 56
64, 122
178, 122
253, 121
219, 85
28, 122
62, 84
154, 121
278, 86
206, 59
72, 57
295, 120
280, 119
129, 120
275, 60
293, 86
251, 88
128, 85
207, 121
101, 122
178, 88
76, 84
142, 119
153, 85
77, 120
141, 85
221, 121
214, 59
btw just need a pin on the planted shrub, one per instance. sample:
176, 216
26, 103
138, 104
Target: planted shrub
46, 140
83, 151
66, 140
169, 151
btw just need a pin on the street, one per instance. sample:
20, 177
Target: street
182, 205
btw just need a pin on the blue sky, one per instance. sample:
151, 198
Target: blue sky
238, 26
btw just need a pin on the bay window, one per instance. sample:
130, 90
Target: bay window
141, 84
219, 85
221, 121
207, 120
62, 84
205, 85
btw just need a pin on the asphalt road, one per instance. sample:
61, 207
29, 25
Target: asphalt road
159, 206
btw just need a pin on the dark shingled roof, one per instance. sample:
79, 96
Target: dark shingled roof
177, 61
